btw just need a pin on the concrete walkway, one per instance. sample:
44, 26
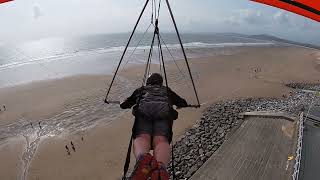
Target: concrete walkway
311, 148
259, 149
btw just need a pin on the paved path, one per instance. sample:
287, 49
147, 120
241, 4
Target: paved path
311, 149
259, 149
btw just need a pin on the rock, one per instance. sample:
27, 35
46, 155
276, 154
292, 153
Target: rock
188, 175
178, 173
193, 169
222, 135
208, 154
220, 130
201, 151
193, 137
202, 158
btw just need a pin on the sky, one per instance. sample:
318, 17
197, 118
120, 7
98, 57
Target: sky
22, 20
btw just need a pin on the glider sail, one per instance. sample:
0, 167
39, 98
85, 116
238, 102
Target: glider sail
307, 8
4, 1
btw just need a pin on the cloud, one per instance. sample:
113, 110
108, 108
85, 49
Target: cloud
281, 17
37, 12
287, 19
246, 16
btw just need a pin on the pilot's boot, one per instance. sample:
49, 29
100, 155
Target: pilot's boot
142, 169
159, 171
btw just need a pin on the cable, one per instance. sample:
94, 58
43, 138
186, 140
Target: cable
136, 46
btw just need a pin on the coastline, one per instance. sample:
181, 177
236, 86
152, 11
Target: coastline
254, 72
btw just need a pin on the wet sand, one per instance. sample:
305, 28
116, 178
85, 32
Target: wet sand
67, 107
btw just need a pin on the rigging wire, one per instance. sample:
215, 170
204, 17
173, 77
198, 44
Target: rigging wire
155, 9
159, 58
143, 36
123, 54
148, 61
174, 60
149, 66
159, 10
183, 51
152, 11
162, 59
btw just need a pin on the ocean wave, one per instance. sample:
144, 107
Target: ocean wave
119, 49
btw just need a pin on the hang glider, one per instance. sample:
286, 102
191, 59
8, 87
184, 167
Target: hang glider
4, 1
307, 8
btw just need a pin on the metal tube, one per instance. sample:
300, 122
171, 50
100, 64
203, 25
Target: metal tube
125, 50
183, 51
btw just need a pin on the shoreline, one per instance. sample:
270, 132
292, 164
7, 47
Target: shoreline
218, 78
76, 66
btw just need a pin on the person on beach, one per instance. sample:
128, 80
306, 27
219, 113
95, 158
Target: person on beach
73, 148
154, 115
68, 150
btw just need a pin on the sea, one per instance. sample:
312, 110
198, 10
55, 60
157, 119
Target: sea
52, 58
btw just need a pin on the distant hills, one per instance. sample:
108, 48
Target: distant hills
276, 39
266, 37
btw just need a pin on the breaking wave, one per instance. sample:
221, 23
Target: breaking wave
120, 49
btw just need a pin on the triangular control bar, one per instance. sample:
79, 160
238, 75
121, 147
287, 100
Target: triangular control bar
181, 45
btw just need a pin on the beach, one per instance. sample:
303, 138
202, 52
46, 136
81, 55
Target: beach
42, 117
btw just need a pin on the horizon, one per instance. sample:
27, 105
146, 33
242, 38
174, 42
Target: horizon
46, 19
128, 33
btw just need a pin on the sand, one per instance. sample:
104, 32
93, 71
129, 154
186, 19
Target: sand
252, 72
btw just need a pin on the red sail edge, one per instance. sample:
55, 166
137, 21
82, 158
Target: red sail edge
308, 9
4, 1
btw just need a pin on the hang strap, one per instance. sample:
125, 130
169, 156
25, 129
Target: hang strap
172, 165
127, 162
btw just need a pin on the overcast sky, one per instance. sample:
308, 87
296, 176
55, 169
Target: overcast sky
36, 19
